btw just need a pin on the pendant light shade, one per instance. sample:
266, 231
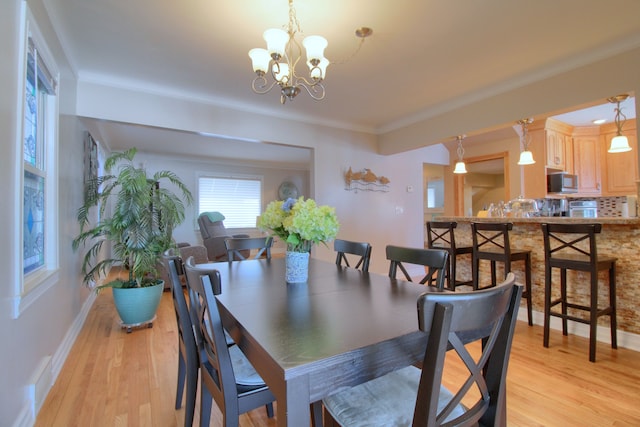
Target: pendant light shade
526, 156
619, 143
460, 166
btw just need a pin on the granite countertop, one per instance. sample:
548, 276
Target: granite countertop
545, 219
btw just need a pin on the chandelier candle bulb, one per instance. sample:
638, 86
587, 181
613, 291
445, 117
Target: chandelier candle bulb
276, 42
260, 60
318, 71
315, 46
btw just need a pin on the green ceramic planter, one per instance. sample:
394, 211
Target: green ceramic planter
137, 306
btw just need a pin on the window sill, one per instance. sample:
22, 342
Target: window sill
35, 286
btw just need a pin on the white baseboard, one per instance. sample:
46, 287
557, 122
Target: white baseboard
46, 373
60, 356
625, 339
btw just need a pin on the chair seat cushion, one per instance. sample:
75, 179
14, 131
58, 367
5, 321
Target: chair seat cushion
387, 401
245, 374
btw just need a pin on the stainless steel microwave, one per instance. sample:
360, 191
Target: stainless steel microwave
562, 183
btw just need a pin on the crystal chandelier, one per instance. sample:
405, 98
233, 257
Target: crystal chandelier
526, 157
281, 58
619, 143
460, 166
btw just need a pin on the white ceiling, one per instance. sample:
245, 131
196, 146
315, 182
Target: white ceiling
424, 55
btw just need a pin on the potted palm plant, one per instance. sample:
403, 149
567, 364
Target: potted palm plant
136, 215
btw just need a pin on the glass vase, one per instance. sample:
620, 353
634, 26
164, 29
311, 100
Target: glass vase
296, 266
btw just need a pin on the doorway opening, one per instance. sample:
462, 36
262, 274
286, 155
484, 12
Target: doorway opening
486, 182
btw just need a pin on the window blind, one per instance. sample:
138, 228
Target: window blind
238, 199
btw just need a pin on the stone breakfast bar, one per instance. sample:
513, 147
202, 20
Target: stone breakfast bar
620, 237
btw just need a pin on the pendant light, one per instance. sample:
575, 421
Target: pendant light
619, 143
526, 157
460, 166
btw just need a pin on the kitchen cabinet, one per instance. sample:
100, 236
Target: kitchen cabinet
568, 155
555, 149
558, 147
587, 143
620, 170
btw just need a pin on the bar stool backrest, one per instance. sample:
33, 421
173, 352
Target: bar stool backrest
440, 234
491, 237
571, 245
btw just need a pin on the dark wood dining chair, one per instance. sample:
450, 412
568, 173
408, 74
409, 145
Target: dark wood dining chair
458, 324
434, 259
226, 375
574, 247
238, 248
358, 249
441, 235
188, 359
491, 243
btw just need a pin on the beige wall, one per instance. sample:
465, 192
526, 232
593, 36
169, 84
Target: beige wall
47, 326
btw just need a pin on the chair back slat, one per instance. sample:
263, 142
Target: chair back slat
216, 368
454, 321
434, 259
196, 294
189, 359
359, 249
236, 245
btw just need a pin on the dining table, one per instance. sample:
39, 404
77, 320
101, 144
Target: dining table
340, 328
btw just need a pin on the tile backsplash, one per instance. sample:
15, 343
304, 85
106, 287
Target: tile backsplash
610, 206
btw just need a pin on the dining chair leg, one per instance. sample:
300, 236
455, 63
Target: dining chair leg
563, 295
269, 408
493, 273
547, 305
316, 414
182, 373
593, 316
206, 400
613, 307
192, 388
474, 273
527, 275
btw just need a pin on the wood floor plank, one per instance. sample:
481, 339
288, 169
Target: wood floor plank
112, 378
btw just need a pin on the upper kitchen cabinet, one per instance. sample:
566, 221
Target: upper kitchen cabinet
587, 143
619, 170
552, 148
558, 145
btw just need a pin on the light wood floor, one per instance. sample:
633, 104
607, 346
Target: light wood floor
112, 378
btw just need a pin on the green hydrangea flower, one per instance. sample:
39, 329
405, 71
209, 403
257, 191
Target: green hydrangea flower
300, 223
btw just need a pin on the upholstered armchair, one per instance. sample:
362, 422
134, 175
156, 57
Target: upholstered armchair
213, 235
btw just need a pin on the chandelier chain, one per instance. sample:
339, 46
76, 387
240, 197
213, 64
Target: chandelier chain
525, 138
460, 150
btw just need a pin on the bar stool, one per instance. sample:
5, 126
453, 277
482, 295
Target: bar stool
491, 243
563, 249
440, 235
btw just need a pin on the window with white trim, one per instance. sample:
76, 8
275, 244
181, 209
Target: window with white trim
38, 145
239, 199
